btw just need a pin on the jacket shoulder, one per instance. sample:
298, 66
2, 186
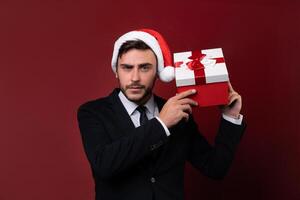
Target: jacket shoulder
99, 103
95, 104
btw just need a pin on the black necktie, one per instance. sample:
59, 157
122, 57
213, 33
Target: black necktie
143, 116
143, 120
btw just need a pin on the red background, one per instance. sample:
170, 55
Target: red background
56, 55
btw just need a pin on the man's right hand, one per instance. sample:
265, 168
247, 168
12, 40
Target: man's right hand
177, 108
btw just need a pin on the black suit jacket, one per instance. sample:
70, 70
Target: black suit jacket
143, 163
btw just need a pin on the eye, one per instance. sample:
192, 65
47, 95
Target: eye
127, 67
145, 68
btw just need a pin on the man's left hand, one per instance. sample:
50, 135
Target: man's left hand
234, 106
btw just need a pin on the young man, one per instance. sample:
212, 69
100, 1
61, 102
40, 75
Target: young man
137, 143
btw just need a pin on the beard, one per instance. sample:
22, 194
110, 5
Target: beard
139, 97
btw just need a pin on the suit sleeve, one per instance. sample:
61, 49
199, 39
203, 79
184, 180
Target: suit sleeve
109, 158
214, 161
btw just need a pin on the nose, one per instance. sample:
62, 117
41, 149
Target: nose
135, 76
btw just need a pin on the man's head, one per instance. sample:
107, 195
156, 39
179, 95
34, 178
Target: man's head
136, 70
157, 44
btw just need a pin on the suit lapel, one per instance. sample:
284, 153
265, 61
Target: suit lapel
122, 119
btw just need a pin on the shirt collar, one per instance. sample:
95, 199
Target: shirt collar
131, 106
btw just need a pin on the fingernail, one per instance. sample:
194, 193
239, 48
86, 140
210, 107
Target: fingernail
193, 91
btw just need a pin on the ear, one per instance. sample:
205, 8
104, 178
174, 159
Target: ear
116, 72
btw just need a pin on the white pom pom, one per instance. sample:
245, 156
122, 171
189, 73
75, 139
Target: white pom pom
167, 74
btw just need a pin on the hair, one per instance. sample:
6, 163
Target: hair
133, 44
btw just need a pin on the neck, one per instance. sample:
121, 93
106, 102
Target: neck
144, 99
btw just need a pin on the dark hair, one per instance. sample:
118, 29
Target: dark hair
132, 44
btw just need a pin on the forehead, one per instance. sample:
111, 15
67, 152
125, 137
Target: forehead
138, 56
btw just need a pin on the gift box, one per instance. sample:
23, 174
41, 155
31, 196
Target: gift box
204, 71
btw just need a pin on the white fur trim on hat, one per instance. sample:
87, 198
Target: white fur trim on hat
167, 74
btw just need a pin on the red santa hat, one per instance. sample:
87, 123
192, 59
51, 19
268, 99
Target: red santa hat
158, 45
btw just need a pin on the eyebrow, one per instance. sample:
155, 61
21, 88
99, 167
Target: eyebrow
140, 65
145, 64
126, 65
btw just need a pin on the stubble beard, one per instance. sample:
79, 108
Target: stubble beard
146, 90
140, 101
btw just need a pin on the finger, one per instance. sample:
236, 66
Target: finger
232, 94
234, 98
185, 94
186, 108
232, 104
187, 101
185, 116
230, 88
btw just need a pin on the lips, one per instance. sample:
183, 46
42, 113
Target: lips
135, 87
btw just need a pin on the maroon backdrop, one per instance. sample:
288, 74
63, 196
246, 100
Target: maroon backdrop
56, 55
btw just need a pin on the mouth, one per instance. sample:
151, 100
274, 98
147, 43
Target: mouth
135, 88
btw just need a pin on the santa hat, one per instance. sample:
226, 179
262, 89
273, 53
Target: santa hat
158, 45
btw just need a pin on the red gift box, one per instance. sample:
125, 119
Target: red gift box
204, 71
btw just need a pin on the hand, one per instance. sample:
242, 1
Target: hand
177, 108
234, 106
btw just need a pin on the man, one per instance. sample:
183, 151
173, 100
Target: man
137, 143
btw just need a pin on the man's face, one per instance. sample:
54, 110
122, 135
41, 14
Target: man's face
136, 72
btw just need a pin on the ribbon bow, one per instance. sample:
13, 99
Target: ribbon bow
196, 58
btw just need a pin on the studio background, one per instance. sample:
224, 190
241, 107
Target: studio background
55, 55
